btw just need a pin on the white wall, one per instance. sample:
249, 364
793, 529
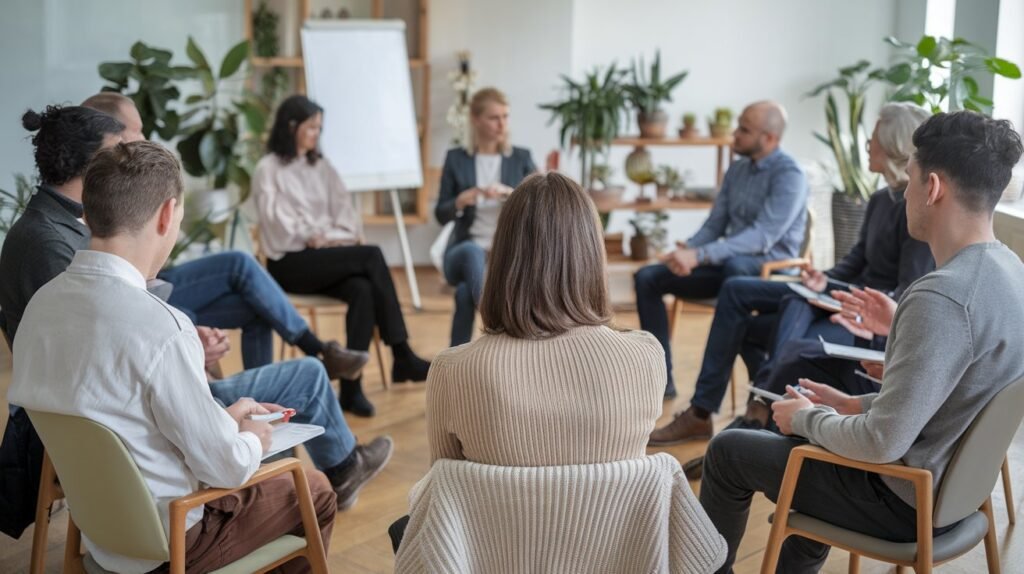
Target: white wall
1008, 95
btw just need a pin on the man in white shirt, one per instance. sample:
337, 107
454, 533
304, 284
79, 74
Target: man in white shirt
133, 363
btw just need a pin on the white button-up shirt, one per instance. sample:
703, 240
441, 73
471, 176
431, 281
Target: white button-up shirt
94, 343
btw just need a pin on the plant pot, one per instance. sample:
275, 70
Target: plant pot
613, 244
608, 195
652, 126
847, 219
639, 249
664, 191
719, 130
689, 132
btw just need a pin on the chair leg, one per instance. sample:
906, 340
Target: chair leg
991, 544
73, 549
673, 312
385, 380
732, 389
44, 502
1011, 511
901, 569
315, 551
854, 567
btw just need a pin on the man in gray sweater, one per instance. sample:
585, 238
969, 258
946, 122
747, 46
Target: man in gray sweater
955, 343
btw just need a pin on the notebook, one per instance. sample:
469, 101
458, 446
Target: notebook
820, 299
852, 353
287, 435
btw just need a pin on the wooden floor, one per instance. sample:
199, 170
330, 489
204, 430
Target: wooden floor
360, 542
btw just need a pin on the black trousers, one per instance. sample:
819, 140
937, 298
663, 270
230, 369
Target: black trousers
357, 275
739, 463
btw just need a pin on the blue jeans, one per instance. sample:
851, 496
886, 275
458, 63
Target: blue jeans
653, 282
301, 385
231, 290
464, 270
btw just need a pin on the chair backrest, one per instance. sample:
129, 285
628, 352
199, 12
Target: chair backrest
807, 248
973, 471
106, 493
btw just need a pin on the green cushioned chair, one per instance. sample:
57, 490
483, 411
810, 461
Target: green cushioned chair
113, 506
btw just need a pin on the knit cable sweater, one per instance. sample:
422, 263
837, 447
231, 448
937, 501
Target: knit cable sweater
590, 395
623, 517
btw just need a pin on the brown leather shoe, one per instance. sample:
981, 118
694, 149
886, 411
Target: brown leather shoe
342, 363
686, 426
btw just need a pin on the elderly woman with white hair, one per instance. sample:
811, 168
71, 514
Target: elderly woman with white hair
885, 258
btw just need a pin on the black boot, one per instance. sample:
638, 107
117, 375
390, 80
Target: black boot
352, 399
408, 366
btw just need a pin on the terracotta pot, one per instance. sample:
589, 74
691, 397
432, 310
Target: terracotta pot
664, 191
639, 250
613, 244
688, 133
652, 126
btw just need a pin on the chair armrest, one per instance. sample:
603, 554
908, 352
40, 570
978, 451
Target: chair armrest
769, 267
921, 479
201, 497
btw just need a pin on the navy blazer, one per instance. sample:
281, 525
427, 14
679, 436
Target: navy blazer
459, 174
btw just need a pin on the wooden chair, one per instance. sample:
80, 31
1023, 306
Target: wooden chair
113, 506
964, 497
314, 307
49, 493
770, 270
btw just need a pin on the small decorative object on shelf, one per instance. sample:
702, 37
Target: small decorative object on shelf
462, 81
649, 234
640, 170
689, 129
670, 183
721, 124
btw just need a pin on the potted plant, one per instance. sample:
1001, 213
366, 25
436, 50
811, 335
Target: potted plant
845, 137
590, 115
914, 81
649, 234
669, 181
689, 129
647, 92
720, 125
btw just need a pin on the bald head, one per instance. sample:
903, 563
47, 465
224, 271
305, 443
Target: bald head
770, 117
123, 109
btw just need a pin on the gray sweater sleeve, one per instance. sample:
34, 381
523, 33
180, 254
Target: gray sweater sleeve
917, 382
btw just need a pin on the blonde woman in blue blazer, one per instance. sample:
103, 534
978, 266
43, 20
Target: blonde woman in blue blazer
474, 184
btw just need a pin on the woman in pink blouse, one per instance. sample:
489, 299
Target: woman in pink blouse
311, 235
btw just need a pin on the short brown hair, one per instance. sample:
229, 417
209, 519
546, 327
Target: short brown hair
546, 273
126, 184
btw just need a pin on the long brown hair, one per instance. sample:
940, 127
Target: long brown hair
546, 273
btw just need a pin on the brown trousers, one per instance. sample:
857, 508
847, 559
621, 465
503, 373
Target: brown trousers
237, 524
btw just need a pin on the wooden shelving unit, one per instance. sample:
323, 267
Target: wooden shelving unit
419, 67
720, 144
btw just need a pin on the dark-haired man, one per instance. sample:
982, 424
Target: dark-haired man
230, 290
954, 344
134, 364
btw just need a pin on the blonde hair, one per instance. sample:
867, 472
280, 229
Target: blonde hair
896, 125
477, 104
546, 273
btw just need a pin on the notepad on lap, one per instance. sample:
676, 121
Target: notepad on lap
851, 353
287, 435
820, 299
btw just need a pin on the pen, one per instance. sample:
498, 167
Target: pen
272, 417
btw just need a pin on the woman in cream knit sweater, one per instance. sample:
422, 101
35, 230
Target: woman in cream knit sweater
550, 383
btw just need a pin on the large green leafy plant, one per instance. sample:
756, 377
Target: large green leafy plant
845, 136
149, 80
590, 114
959, 61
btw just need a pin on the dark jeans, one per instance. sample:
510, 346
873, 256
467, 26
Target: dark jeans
464, 270
739, 463
356, 274
806, 359
231, 290
653, 282
789, 314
